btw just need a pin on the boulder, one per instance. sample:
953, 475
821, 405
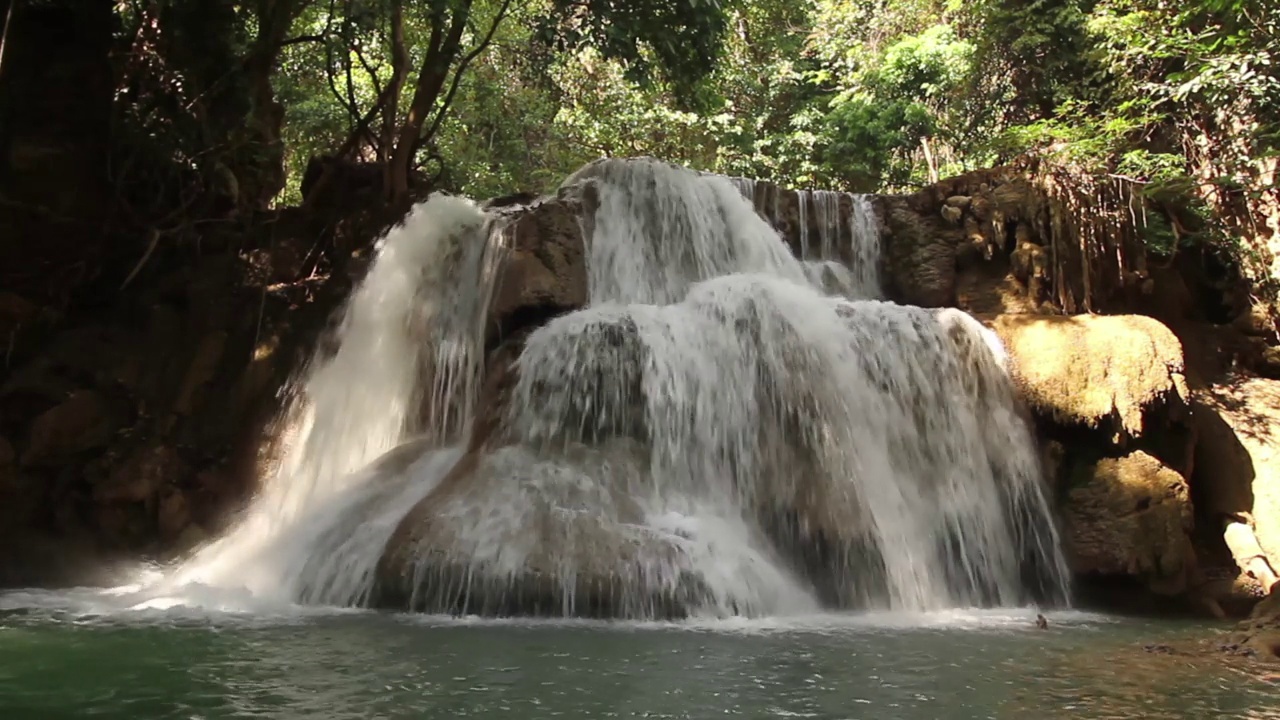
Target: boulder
1129, 517
1106, 372
509, 532
1259, 636
545, 271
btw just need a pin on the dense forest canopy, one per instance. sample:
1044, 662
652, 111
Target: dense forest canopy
234, 100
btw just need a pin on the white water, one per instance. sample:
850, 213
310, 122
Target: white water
845, 259
407, 365
718, 433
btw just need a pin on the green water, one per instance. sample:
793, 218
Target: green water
172, 664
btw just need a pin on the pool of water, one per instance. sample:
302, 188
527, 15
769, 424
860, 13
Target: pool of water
64, 659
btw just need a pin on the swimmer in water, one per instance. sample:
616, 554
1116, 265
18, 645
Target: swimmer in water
1041, 622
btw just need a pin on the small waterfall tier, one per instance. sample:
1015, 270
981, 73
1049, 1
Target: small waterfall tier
725, 426
835, 234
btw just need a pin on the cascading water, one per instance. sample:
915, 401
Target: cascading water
407, 365
840, 263
717, 432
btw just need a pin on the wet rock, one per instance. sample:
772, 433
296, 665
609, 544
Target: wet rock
174, 514
201, 370
1130, 517
192, 536
8, 470
545, 273
1259, 636
84, 421
507, 532
919, 252
7, 455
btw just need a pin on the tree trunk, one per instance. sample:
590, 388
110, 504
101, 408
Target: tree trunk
442, 49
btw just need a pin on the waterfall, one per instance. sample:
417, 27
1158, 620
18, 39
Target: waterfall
725, 428
842, 263
886, 435
407, 365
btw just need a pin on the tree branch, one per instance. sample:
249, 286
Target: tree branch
441, 50
462, 66
399, 67
302, 39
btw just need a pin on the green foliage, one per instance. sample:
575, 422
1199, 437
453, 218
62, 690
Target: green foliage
852, 94
676, 41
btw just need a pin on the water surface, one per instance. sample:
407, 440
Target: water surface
59, 663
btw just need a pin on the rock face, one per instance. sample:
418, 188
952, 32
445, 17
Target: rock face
1112, 406
1238, 471
1097, 371
545, 272
484, 541
1260, 635
1129, 516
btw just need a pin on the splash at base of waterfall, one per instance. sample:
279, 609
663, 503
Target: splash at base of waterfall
724, 430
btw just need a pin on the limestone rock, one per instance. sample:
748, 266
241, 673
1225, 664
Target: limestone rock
545, 273
1092, 370
1248, 554
1129, 516
1238, 458
506, 532
1257, 320
919, 253
1260, 636
83, 421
